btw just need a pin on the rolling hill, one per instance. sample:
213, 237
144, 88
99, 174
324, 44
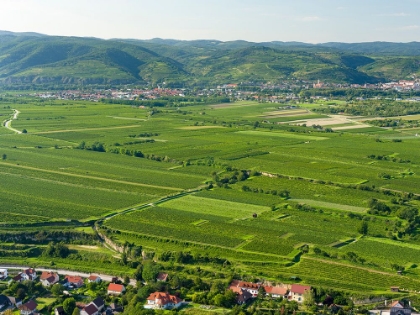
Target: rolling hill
32, 59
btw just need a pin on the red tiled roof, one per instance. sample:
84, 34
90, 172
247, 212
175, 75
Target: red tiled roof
248, 285
93, 278
275, 290
116, 287
162, 298
74, 279
300, 289
47, 275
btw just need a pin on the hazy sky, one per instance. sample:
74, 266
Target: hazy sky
312, 21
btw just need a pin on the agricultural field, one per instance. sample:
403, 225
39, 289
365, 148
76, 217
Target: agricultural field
244, 182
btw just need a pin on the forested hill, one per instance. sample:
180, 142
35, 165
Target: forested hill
30, 59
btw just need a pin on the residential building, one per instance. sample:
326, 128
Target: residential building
248, 286
29, 274
242, 295
398, 308
115, 289
276, 292
297, 291
49, 278
3, 274
93, 278
99, 303
29, 308
89, 309
161, 300
15, 301
4, 301
73, 281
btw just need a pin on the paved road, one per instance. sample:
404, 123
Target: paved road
67, 272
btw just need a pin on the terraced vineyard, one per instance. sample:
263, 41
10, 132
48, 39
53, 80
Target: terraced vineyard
271, 200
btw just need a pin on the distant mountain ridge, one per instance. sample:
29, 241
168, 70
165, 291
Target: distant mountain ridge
32, 58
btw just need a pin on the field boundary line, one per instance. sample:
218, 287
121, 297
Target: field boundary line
90, 177
84, 129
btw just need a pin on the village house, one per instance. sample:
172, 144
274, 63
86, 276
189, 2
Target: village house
115, 289
160, 300
73, 281
248, 286
3, 274
15, 301
242, 295
398, 308
276, 292
28, 308
49, 278
4, 301
89, 309
297, 291
29, 274
93, 278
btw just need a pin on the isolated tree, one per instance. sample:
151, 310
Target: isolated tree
4, 157
69, 305
24, 131
57, 289
150, 271
364, 228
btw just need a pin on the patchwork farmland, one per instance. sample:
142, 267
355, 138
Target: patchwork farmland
271, 198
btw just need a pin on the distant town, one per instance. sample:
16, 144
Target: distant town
278, 93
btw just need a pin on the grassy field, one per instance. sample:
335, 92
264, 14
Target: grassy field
218, 180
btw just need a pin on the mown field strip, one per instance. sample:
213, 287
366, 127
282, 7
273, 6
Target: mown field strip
85, 129
90, 177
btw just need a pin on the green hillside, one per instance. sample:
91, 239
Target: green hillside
38, 59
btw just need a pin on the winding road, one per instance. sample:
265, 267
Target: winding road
8, 123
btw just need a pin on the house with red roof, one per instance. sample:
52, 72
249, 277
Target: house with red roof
161, 300
28, 308
73, 281
242, 295
275, 292
49, 278
248, 286
297, 291
115, 289
93, 278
